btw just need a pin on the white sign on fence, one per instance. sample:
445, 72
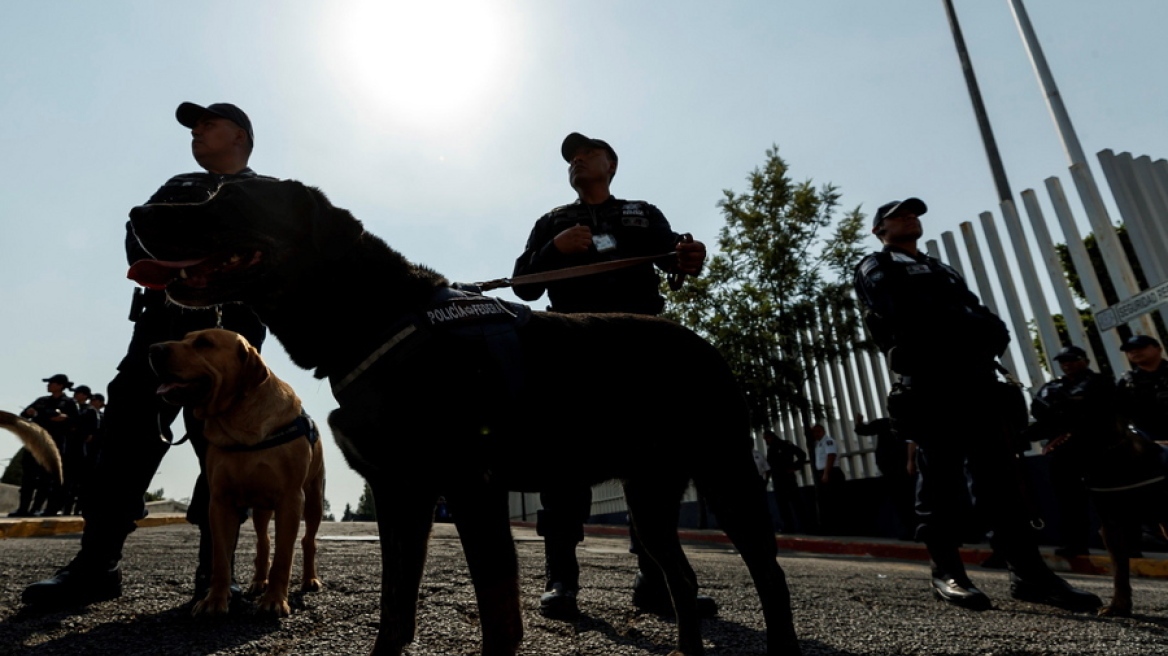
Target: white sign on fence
1130, 308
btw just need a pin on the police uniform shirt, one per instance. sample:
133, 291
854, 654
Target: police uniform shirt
824, 447
48, 407
1143, 400
638, 228
1084, 404
918, 309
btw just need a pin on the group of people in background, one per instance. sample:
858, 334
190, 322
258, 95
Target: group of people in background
75, 423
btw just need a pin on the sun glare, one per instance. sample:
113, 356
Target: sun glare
422, 62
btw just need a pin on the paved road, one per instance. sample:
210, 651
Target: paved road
843, 606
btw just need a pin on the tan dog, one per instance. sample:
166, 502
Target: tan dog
37, 440
258, 457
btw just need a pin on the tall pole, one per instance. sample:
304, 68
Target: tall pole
1119, 269
983, 121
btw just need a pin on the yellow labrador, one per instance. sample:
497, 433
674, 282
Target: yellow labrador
263, 453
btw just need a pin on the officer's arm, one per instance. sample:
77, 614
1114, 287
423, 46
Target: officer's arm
690, 257
539, 255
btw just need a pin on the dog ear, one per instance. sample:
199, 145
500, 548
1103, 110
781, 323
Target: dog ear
252, 370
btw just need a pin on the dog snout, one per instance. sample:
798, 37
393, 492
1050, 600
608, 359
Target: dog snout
159, 357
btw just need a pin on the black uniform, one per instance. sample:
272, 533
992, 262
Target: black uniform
136, 418
38, 490
636, 229
1084, 407
1143, 400
892, 459
944, 343
785, 459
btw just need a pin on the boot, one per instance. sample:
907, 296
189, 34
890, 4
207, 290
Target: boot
651, 595
563, 579
83, 581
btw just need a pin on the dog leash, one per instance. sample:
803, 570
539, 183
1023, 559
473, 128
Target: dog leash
569, 272
675, 279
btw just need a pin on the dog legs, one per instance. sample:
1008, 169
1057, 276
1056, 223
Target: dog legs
653, 507
313, 513
288, 514
260, 517
224, 524
739, 502
481, 518
404, 519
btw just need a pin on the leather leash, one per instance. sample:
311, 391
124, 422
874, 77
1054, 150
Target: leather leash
575, 272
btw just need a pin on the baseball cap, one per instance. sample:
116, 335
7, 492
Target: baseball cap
83, 389
576, 141
189, 113
1139, 341
1070, 354
914, 205
60, 379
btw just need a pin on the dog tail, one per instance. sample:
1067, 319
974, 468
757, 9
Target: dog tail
37, 440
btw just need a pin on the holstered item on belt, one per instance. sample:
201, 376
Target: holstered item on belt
137, 304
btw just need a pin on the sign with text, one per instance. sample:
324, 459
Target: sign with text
1130, 308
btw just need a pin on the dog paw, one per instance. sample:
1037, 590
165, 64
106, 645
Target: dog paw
1115, 610
273, 605
312, 585
257, 588
212, 606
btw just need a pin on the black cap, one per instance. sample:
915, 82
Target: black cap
60, 379
576, 141
1070, 354
189, 114
83, 389
1138, 341
914, 205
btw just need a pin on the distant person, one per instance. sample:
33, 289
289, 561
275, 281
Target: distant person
137, 429
73, 458
829, 481
785, 459
40, 493
595, 228
898, 474
1142, 393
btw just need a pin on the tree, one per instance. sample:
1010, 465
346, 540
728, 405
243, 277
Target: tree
776, 298
366, 511
156, 495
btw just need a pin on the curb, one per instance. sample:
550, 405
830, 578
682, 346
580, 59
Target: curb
1097, 563
35, 527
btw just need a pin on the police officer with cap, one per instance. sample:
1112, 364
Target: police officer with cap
943, 344
56, 413
1075, 415
1143, 389
597, 228
138, 420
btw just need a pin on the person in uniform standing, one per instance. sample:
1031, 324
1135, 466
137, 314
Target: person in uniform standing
895, 457
1142, 393
74, 456
39, 493
829, 481
944, 344
785, 459
137, 429
598, 228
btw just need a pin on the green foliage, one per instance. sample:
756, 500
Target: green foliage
366, 510
784, 268
156, 495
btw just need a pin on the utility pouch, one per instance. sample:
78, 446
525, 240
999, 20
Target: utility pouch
137, 304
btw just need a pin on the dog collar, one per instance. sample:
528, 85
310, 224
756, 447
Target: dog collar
302, 426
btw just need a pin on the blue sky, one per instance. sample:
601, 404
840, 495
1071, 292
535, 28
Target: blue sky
438, 124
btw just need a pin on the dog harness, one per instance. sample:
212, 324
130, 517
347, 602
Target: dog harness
461, 314
302, 426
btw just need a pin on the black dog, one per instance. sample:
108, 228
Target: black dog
467, 397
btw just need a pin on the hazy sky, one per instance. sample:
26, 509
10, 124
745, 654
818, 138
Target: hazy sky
439, 123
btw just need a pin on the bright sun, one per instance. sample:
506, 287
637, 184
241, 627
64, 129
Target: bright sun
422, 61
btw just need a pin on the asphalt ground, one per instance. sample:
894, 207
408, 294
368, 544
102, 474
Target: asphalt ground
844, 604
